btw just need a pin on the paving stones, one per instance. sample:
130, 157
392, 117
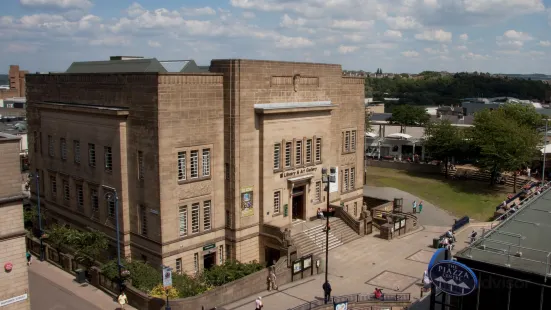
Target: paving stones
422, 256
392, 281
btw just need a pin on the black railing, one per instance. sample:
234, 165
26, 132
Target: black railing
356, 298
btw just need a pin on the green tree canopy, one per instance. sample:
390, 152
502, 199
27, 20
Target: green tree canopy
409, 115
443, 141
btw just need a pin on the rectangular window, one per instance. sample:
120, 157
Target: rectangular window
53, 186
35, 141
182, 213
76, 151
352, 178
206, 215
108, 158
181, 166
94, 203
228, 219
277, 202
194, 164
308, 151
277, 150
318, 191
355, 208
345, 181
196, 262
179, 266
63, 148
66, 191
221, 255
318, 149
110, 204
288, 150
143, 220
194, 218
80, 198
227, 171
346, 141
298, 153
228, 252
353, 140
91, 155
206, 162
50, 146
141, 166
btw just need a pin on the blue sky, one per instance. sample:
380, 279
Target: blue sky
498, 36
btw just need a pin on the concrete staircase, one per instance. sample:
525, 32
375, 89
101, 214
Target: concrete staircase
312, 240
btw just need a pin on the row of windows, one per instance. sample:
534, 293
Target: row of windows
349, 141
194, 171
195, 225
222, 256
306, 151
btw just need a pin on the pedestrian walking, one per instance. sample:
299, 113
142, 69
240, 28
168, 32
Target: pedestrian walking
29, 258
414, 206
420, 206
122, 299
326, 291
258, 303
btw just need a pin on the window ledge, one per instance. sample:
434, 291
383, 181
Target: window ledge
277, 214
187, 181
348, 152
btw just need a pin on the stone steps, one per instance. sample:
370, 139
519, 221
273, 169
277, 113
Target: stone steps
312, 240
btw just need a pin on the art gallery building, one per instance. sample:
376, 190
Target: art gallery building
203, 159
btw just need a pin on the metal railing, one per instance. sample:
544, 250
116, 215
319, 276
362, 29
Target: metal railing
357, 298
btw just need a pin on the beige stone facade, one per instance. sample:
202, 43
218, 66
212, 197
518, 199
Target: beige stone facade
14, 284
198, 159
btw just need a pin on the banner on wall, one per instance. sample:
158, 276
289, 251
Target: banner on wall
334, 187
247, 201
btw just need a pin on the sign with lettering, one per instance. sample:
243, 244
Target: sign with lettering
13, 300
247, 201
297, 172
453, 278
343, 305
209, 246
167, 277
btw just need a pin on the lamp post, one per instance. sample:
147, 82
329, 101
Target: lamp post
327, 178
112, 193
37, 179
167, 282
544, 152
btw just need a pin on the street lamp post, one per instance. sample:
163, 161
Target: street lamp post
112, 193
37, 179
327, 178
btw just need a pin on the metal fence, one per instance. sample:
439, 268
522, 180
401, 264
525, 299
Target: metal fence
357, 298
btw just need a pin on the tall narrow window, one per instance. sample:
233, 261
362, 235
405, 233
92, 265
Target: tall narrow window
141, 166
228, 219
179, 266
355, 208
206, 215
227, 171
345, 182
53, 186
194, 218
66, 191
277, 202
352, 178
182, 214
110, 206
181, 166
318, 149
206, 162
228, 252
288, 150
298, 153
108, 158
51, 151
318, 191
80, 198
194, 164
308, 151
221, 255
143, 220
353, 140
35, 141
63, 148
76, 151
277, 150
94, 203
196, 262
346, 141
91, 155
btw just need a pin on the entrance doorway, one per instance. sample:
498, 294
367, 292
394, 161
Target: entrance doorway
271, 255
209, 260
298, 203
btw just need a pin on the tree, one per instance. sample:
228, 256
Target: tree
443, 141
367, 125
88, 245
409, 115
58, 236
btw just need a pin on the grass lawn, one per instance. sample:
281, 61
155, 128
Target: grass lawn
460, 197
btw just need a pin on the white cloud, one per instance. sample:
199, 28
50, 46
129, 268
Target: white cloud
21, 48
473, 56
381, 46
434, 35
110, 41
402, 22
353, 24
545, 43
58, 4
517, 35
464, 37
288, 22
248, 15
293, 42
513, 39
442, 50
153, 43
198, 11
410, 54
393, 34
346, 49
461, 47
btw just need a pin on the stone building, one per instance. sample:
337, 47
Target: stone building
201, 159
16, 85
14, 284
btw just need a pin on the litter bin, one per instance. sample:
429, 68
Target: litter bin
80, 276
435, 242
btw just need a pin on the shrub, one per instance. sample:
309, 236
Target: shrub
229, 272
160, 292
144, 276
189, 286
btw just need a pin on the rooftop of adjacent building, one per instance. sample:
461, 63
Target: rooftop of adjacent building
6, 137
382, 118
15, 126
521, 241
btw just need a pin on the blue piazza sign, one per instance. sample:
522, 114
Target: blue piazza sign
453, 278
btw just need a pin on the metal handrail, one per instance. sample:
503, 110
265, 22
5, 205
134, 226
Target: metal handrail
357, 298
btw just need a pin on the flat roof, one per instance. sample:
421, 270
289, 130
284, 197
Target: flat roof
520, 242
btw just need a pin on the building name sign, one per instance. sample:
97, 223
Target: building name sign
453, 278
13, 300
297, 172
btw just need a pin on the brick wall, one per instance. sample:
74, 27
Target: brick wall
10, 167
12, 250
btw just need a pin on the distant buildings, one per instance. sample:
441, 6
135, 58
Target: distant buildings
16, 87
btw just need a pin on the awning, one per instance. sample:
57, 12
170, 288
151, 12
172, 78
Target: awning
398, 136
371, 135
301, 178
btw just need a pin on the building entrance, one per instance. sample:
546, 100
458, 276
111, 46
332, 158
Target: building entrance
209, 260
298, 203
272, 256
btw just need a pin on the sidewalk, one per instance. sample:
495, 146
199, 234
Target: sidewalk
65, 282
